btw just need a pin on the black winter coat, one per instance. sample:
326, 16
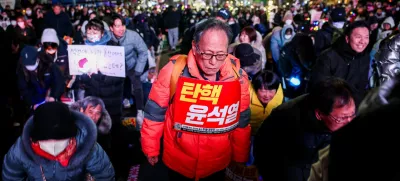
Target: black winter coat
341, 61
60, 23
288, 141
34, 91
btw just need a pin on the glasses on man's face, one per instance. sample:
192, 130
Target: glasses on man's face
209, 56
343, 119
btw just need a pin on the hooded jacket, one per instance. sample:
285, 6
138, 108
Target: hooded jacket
194, 155
21, 163
278, 40
104, 124
383, 34
343, 62
135, 50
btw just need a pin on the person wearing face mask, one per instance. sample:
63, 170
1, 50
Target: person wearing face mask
107, 88
386, 28
57, 144
347, 59
279, 38
28, 12
24, 35
331, 30
92, 16
38, 81
54, 50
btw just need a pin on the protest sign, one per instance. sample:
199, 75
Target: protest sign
109, 60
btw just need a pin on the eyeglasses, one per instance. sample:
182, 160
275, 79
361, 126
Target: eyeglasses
209, 56
343, 119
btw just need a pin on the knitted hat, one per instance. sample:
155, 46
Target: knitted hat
53, 120
245, 53
50, 35
29, 55
338, 14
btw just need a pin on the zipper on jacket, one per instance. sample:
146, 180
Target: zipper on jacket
348, 67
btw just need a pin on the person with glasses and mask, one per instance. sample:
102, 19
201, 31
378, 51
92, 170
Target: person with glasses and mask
288, 141
199, 104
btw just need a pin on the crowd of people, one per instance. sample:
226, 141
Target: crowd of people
282, 92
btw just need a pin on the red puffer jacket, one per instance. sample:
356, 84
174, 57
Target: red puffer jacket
194, 155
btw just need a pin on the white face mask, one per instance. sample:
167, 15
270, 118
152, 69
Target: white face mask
287, 37
338, 25
398, 9
29, 12
32, 67
191, 21
54, 147
231, 22
90, 11
14, 22
289, 22
8, 23
202, 13
21, 24
51, 51
93, 38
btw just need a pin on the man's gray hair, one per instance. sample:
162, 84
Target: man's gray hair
211, 24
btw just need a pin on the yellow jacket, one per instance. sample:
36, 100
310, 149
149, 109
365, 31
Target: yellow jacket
258, 112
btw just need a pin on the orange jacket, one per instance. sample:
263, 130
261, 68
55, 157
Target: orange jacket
194, 155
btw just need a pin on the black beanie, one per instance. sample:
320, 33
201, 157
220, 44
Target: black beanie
53, 120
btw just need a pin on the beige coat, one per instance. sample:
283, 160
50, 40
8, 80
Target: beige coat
319, 170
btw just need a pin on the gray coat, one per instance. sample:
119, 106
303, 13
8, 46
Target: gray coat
21, 163
135, 50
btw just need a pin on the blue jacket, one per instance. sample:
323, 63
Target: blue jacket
278, 40
135, 50
21, 163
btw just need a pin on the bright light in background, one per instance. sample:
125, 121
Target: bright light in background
294, 81
287, 4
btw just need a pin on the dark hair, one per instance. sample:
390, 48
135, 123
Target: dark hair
211, 24
330, 93
92, 101
265, 80
95, 24
354, 25
289, 30
251, 32
93, 13
115, 17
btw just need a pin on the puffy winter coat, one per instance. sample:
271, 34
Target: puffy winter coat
21, 163
194, 155
135, 50
278, 40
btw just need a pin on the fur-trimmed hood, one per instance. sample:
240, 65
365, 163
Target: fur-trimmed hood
104, 125
86, 140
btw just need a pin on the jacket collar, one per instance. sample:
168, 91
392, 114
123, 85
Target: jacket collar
226, 69
85, 140
103, 41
